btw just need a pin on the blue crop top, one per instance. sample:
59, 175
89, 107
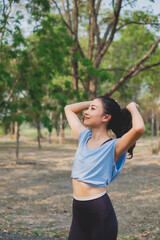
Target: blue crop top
96, 167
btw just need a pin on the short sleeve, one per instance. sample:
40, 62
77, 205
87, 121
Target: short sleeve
117, 167
83, 134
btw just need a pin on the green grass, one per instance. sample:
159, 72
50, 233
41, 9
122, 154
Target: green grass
37, 232
129, 238
9, 219
56, 233
32, 132
28, 131
1, 131
142, 230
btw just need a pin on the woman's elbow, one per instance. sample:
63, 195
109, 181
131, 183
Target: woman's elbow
140, 130
66, 107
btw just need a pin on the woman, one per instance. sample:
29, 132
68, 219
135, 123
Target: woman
99, 159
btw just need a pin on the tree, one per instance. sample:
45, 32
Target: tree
11, 42
122, 55
101, 28
43, 60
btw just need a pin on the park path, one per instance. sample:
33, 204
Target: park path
36, 192
10, 236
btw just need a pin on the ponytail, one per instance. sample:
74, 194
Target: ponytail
121, 120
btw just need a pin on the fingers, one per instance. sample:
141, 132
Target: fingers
132, 105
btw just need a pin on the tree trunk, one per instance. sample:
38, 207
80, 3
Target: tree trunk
39, 135
11, 128
156, 148
15, 129
49, 137
56, 125
99, 40
74, 70
57, 132
93, 88
158, 121
61, 128
152, 122
17, 140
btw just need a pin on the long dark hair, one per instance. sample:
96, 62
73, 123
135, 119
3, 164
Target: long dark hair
121, 120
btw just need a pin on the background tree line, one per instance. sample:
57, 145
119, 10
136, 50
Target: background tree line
76, 51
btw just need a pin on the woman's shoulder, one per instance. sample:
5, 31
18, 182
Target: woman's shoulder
84, 133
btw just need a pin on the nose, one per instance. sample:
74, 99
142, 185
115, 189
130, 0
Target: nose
86, 112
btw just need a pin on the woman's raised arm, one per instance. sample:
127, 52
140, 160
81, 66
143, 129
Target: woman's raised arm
71, 112
129, 138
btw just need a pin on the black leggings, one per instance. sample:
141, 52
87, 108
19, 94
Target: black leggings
93, 220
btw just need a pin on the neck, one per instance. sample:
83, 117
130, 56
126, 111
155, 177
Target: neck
99, 134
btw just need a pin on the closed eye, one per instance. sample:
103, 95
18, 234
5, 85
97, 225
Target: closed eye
92, 108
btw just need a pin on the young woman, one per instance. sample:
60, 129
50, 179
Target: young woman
98, 161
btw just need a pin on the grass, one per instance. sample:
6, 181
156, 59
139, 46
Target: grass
28, 131
1, 131
37, 232
142, 230
55, 233
129, 238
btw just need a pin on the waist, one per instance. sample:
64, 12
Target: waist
83, 190
89, 198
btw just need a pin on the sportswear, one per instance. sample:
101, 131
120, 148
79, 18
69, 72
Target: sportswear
94, 220
90, 197
96, 167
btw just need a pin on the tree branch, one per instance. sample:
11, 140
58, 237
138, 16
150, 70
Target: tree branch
149, 66
92, 28
78, 77
128, 3
75, 21
96, 24
98, 6
12, 90
69, 16
126, 70
63, 6
110, 29
114, 69
139, 23
66, 24
6, 16
69, 25
135, 69
112, 3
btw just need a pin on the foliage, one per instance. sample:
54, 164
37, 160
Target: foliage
123, 54
73, 60
43, 60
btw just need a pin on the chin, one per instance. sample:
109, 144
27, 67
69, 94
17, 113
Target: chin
85, 124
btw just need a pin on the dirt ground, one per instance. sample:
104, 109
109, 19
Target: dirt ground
36, 191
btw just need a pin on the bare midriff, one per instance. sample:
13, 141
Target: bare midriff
81, 189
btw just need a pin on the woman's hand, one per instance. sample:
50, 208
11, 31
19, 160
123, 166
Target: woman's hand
71, 112
129, 138
132, 106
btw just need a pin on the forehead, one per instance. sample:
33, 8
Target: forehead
97, 102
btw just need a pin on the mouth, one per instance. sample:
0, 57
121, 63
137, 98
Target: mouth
86, 118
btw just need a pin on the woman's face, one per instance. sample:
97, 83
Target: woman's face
94, 115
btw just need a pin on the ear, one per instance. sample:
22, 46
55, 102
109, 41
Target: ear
107, 118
